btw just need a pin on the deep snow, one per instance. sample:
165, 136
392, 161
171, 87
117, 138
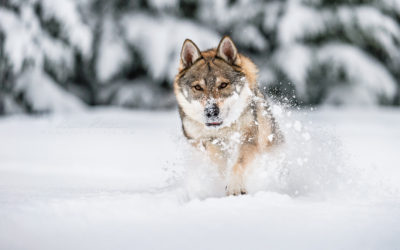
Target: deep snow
117, 179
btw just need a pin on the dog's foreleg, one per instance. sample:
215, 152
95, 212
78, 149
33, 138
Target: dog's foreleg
236, 184
218, 156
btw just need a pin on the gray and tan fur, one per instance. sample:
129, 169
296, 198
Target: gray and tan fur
222, 109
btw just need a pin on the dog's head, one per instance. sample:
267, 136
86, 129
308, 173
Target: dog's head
213, 87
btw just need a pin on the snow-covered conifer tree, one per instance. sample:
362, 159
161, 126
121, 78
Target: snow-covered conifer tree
58, 55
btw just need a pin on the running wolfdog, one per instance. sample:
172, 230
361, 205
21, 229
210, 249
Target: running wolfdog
223, 112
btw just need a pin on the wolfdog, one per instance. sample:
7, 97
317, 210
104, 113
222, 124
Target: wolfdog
223, 111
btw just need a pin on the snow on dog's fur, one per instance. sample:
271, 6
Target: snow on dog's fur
222, 109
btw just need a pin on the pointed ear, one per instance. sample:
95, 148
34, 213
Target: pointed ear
189, 54
227, 50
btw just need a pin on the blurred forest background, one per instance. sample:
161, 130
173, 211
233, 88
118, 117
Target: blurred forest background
65, 55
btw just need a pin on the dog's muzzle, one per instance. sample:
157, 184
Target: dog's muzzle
211, 113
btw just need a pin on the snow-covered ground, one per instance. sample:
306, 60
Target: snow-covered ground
117, 179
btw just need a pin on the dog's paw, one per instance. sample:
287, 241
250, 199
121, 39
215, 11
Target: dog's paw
235, 188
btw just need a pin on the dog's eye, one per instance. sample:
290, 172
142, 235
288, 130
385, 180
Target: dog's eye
197, 87
223, 85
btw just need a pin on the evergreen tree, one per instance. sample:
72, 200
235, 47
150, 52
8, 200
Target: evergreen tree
340, 52
59, 55
39, 42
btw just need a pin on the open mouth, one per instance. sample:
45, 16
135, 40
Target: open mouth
213, 124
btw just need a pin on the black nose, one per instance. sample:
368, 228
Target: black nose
212, 111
